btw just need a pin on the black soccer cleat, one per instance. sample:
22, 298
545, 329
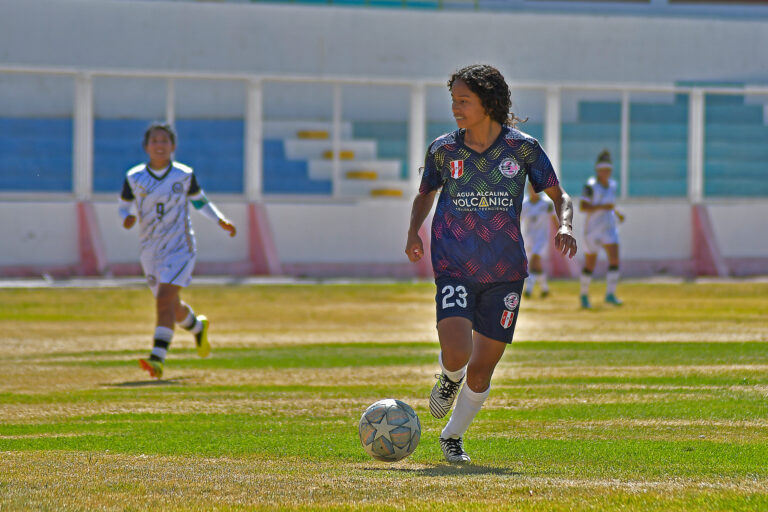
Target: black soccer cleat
453, 449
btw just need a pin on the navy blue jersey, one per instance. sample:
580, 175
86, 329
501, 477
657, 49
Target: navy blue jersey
476, 227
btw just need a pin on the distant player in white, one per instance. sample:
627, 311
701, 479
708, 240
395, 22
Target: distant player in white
161, 191
536, 217
600, 228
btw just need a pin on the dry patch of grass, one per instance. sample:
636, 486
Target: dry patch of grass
107, 481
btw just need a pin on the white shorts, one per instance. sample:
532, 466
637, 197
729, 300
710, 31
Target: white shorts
536, 242
594, 241
172, 269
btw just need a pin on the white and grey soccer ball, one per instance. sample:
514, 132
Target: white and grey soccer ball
389, 430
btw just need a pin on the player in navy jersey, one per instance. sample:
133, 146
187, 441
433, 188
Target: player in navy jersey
600, 228
161, 190
478, 256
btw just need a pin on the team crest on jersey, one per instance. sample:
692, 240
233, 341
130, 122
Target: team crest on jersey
457, 168
506, 319
511, 300
178, 187
509, 167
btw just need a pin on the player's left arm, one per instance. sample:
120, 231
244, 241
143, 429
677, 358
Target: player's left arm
207, 208
565, 242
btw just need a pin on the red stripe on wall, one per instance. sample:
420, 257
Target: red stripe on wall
93, 256
261, 243
706, 254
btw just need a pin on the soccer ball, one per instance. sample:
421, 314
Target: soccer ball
389, 430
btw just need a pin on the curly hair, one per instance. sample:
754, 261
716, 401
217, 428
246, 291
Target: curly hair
493, 91
167, 128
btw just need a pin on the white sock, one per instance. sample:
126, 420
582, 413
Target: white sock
163, 338
530, 282
612, 279
585, 280
467, 406
455, 376
191, 323
543, 282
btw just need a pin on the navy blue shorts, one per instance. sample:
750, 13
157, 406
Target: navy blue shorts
492, 308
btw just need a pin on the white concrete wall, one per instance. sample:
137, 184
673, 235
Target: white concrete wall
276, 39
45, 233
367, 232
655, 230
740, 229
38, 233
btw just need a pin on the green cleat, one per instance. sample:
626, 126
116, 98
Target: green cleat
612, 299
544, 294
201, 338
585, 302
155, 368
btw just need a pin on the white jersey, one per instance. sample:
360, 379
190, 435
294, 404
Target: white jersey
163, 208
536, 221
600, 221
536, 216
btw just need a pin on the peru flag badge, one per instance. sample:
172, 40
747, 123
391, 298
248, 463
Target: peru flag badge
506, 319
457, 168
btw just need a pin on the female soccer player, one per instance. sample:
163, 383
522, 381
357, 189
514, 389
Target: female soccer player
600, 229
536, 214
161, 190
478, 256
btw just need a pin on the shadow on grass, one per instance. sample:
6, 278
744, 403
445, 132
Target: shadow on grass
449, 470
147, 383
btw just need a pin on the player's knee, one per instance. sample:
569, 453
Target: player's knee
455, 358
478, 381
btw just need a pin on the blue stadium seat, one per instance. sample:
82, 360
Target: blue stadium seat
291, 177
215, 149
735, 187
657, 188
36, 154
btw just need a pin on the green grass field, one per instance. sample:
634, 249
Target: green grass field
661, 404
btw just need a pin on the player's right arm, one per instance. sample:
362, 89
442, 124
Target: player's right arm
431, 182
126, 204
422, 204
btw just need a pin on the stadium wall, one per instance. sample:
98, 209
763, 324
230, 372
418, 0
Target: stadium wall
317, 238
360, 239
275, 39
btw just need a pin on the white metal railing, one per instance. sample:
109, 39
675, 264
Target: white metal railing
254, 118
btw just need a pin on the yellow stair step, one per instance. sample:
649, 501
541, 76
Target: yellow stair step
386, 192
362, 175
312, 134
343, 155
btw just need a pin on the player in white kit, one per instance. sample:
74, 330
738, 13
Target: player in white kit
161, 191
600, 228
537, 214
